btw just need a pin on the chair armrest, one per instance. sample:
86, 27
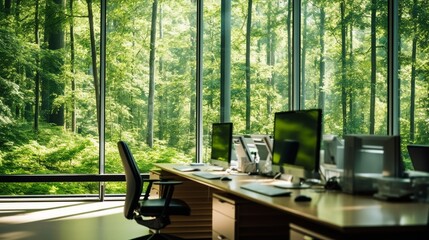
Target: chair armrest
149, 186
169, 185
168, 190
151, 180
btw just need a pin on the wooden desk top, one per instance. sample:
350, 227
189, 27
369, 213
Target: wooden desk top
331, 208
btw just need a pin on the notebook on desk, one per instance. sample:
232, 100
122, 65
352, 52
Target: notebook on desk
266, 189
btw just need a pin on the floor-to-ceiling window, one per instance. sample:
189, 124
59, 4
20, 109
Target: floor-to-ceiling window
150, 82
55, 92
256, 70
344, 64
50, 78
48, 108
413, 71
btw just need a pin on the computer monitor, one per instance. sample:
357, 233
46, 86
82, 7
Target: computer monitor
370, 156
221, 144
262, 145
419, 155
250, 147
296, 147
331, 145
258, 152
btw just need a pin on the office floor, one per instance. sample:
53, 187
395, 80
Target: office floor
66, 221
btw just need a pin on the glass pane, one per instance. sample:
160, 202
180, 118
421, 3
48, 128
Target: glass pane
158, 126
344, 64
413, 73
48, 123
268, 77
259, 79
211, 70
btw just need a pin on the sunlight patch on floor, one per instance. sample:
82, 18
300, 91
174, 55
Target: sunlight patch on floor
59, 211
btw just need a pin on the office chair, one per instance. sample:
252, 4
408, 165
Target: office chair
155, 211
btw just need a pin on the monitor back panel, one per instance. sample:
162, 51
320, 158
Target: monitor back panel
419, 155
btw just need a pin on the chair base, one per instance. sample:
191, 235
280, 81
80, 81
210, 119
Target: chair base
158, 236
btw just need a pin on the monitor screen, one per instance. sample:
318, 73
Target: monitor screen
221, 144
297, 138
262, 146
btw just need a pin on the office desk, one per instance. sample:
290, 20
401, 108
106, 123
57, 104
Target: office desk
330, 215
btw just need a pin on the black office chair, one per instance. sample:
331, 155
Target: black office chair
155, 211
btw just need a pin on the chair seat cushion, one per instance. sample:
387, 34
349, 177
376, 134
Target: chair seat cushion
154, 207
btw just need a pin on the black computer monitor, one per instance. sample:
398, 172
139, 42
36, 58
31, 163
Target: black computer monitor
297, 138
419, 155
221, 144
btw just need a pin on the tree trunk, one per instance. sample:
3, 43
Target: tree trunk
192, 107
163, 112
37, 76
321, 102
94, 62
373, 66
343, 68
52, 87
7, 6
150, 110
270, 54
413, 73
248, 43
350, 90
73, 70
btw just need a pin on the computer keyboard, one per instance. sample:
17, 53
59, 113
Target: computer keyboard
266, 189
207, 175
186, 168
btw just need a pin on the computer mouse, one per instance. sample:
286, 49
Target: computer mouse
225, 178
302, 198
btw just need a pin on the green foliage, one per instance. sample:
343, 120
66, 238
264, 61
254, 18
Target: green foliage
53, 151
73, 147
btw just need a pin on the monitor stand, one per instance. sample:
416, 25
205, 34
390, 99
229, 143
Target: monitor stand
289, 181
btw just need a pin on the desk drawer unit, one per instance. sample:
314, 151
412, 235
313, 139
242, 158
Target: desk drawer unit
223, 218
199, 197
300, 233
237, 218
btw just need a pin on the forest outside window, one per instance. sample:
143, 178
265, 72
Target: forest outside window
150, 82
49, 73
344, 64
50, 81
259, 66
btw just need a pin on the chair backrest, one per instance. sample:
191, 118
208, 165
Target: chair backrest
133, 180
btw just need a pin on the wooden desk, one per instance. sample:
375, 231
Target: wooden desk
330, 215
